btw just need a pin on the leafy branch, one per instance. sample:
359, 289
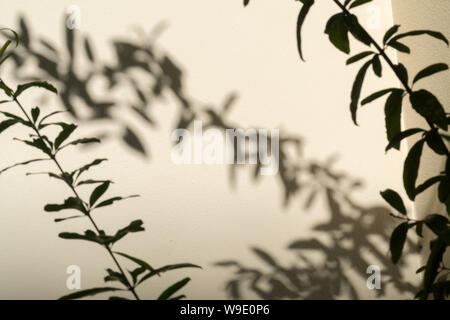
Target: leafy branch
427, 105
51, 148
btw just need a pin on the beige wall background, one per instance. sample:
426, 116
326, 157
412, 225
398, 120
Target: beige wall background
190, 212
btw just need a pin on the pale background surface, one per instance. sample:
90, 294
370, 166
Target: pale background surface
190, 212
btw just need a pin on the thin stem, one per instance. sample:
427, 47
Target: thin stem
392, 66
86, 209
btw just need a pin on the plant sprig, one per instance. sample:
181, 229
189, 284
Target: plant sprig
51, 147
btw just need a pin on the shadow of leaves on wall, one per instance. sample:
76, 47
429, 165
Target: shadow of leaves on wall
148, 75
141, 69
333, 263
345, 243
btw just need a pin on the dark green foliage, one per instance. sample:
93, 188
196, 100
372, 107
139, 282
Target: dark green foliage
394, 200
397, 242
430, 70
169, 292
359, 56
307, 4
50, 146
425, 104
393, 112
356, 90
411, 169
88, 292
428, 106
338, 32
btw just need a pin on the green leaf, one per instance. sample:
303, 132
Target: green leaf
35, 113
47, 117
17, 118
40, 84
402, 73
115, 276
38, 144
443, 190
98, 192
358, 3
441, 290
88, 292
89, 235
433, 34
168, 268
337, 31
69, 203
428, 183
117, 298
5, 58
136, 273
440, 226
419, 228
393, 30
428, 106
411, 169
81, 141
402, 135
112, 200
394, 200
134, 226
64, 134
434, 141
67, 218
356, 90
90, 181
307, 4
393, 111
7, 90
397, 241
50, 174
16, 36
434, 259
246, 2
6, 124
140, 262
377, 95
22, 164
4, 47
173, 289
357, 30
421, 269
430, 70
359, 56
376, 64
399, 46
85, 168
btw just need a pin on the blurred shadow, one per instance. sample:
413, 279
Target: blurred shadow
332, 263
141, 70
148, 74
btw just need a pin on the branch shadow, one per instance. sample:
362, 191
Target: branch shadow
333, 263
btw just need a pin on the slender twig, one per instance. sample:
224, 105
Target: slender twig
382, 52
86, 209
